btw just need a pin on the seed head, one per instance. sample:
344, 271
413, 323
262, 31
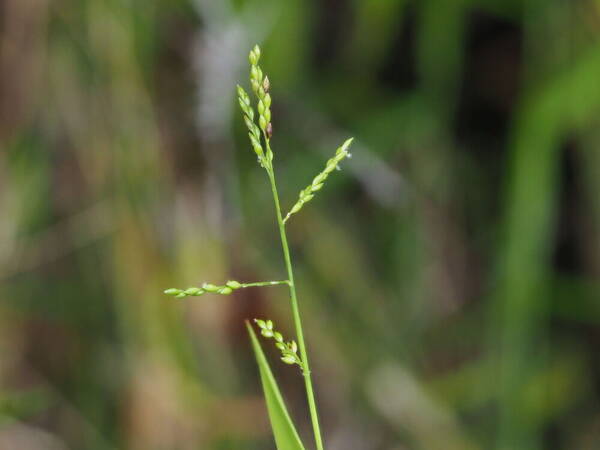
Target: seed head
289, 350
308, 193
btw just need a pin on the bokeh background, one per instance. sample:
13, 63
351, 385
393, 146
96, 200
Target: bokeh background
448, 275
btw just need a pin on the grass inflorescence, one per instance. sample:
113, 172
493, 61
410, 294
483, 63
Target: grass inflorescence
293, 352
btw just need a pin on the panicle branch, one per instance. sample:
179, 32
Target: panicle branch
308, 193
225, 289
260, 85
289, 350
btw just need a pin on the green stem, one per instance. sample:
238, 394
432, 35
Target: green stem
296, 313
265, 283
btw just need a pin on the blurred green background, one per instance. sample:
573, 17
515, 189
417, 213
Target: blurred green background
448, 276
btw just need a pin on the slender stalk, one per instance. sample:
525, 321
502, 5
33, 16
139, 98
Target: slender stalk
265, 283
296, 313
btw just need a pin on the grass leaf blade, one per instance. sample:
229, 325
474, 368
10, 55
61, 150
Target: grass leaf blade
284, 431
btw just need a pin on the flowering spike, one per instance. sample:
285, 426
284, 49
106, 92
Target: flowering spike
307, 194
289, 350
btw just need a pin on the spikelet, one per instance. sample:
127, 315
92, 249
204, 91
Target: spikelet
308, 193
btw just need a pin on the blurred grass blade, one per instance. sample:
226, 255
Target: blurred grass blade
286, 436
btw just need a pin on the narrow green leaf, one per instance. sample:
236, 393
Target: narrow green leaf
286, 436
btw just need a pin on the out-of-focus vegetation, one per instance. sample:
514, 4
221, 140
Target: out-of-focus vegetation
449, 280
